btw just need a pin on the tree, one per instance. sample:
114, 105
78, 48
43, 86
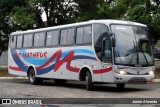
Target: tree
142, 11
87, 10
57, 11
26, 14
147, 12
6, 27
26, 17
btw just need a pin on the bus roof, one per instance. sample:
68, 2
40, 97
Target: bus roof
107, 22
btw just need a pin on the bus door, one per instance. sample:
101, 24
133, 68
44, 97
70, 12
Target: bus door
106, 64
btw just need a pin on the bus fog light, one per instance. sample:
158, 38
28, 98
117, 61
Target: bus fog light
121, 72
151, 73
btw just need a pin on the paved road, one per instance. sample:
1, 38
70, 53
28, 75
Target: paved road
22, 89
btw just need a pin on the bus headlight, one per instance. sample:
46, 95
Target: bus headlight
151, 73
122, 72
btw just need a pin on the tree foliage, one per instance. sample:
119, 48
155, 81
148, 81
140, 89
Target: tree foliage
6, 27
146, 12
24, 17
142, 11
57, 11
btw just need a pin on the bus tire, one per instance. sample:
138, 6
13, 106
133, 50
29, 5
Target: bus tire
120, 86
32, 78
89, 84
60, 81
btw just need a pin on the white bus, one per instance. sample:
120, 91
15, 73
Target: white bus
96, 51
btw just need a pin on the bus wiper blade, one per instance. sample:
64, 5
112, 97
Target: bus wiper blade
134, 51
145, 57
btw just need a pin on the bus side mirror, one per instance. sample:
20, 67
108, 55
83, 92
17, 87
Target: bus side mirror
113, 40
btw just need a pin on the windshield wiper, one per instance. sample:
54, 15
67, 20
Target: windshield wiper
134, 51
145, 57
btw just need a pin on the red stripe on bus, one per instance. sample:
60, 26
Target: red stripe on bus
102, 70
68, 60
57, 54
15, 68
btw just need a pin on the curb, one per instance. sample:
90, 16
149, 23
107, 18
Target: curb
7, 78
1, 78
156, 80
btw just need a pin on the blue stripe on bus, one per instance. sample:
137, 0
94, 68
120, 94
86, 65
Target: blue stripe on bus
83, 51
82, 57
45, 70
17, 60
41, 61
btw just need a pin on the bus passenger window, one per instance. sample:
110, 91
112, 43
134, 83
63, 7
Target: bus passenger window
36, 37
87, 37
84, 35
30, 40
63, 40
52, 38
55, 38
27, 40
13, 42
67, 37
79, 36
49, 39
70, 36
39, 39
19, 41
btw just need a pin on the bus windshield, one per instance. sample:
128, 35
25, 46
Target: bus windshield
133, 46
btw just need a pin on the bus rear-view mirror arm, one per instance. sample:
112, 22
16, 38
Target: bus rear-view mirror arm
99, 41
98, 44
113, 40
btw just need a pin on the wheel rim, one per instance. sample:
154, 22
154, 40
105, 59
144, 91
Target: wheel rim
87, 81
31, 76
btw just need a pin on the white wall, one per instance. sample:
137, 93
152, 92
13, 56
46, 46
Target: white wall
4, 59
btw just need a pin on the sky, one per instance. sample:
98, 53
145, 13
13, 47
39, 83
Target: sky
44, 16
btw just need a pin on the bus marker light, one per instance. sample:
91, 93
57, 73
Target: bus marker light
93, 66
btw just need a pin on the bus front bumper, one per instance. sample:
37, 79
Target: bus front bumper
134, 78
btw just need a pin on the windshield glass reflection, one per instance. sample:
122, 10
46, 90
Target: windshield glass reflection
132, 45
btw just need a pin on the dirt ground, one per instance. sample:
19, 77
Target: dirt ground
4, 73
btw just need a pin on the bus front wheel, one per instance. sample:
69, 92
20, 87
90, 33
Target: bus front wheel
89, 84
32, 78
120, 86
